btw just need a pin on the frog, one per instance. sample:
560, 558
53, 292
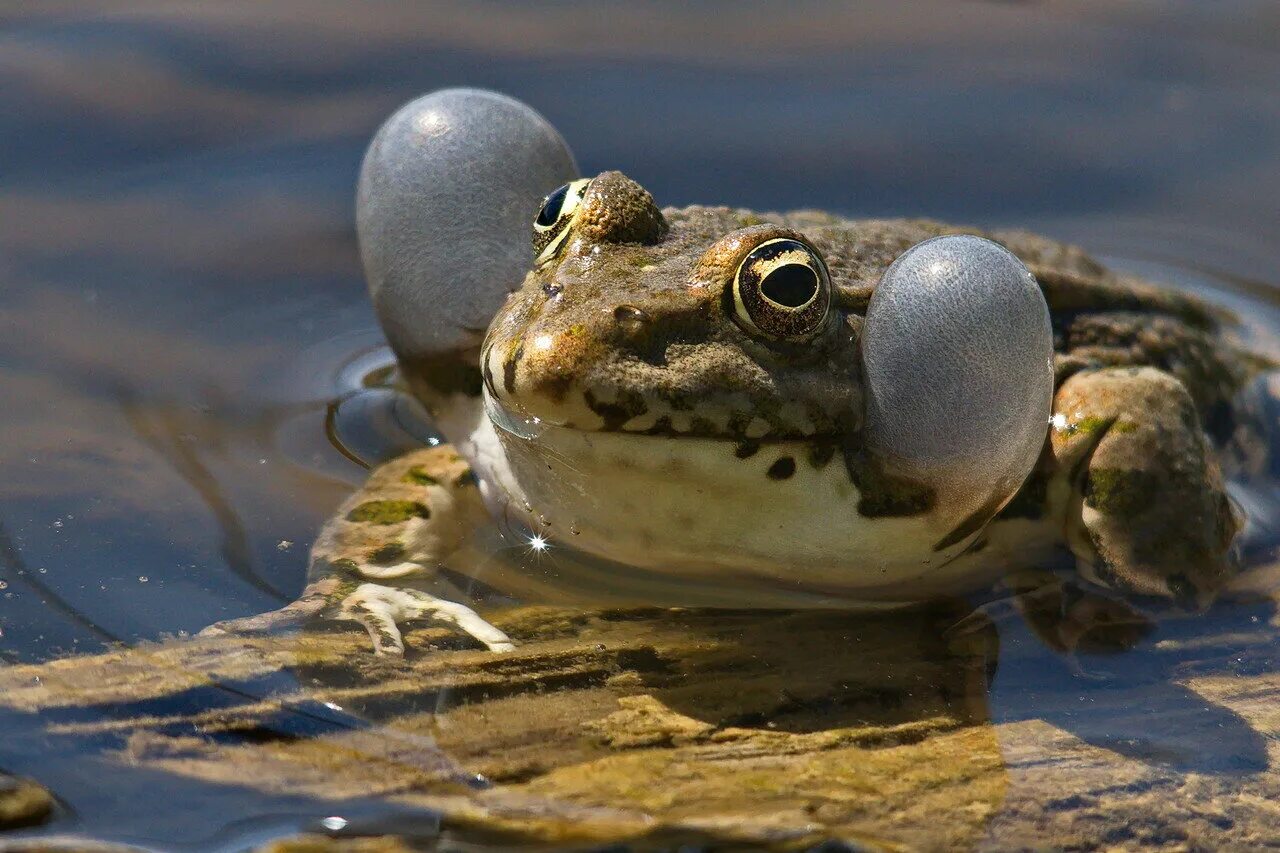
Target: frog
638, 409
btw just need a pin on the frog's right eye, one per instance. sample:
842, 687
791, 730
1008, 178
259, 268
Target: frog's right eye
555, 220
781, 291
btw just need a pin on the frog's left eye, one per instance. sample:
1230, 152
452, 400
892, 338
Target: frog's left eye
552, 226
781, 290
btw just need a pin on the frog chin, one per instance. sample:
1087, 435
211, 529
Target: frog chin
701, 508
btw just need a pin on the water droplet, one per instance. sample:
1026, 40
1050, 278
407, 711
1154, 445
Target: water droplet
334, 823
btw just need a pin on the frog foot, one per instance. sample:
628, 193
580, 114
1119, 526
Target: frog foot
379, 608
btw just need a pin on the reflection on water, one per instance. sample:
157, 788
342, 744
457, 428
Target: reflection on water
193, 380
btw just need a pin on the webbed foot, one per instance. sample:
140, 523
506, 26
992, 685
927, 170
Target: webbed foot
380, 609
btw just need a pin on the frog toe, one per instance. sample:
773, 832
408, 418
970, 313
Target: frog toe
381, 610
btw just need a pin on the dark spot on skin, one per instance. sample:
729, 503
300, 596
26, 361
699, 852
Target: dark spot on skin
662, 426
614, 415
970, 525
882, 495
419, 476
387, 553
782, 469
344, 565
821, 454
680, 403
738, 422
557, 387
702, 426
1120, 492
746, 449
346, 586
388, 512
466, 478
509, 375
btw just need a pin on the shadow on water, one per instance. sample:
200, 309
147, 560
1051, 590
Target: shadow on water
1131, 703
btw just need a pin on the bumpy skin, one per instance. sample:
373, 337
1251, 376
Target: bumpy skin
625, 332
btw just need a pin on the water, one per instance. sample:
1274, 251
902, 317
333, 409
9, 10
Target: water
193, 377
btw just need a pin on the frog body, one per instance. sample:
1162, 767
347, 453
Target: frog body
627, 413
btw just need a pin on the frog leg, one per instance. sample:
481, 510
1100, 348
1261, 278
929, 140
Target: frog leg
383, 544
1142, 498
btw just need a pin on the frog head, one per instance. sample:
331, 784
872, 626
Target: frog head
706, 323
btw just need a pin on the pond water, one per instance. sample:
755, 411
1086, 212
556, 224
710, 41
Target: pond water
193, 377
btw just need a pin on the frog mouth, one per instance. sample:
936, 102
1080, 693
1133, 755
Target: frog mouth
726, 420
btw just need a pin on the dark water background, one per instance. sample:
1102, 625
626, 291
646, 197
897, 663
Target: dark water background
180, 294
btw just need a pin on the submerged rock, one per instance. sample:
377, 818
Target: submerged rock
662, 728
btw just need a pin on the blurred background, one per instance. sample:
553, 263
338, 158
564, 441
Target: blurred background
180, 295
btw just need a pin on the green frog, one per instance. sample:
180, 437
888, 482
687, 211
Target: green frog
671, 410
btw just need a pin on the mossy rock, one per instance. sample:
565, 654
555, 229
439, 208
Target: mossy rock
660, 728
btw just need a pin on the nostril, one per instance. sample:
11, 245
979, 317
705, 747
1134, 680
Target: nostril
630, 318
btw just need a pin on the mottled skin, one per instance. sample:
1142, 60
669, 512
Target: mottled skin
624, 335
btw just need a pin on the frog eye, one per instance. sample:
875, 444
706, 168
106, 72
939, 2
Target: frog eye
781, 290
552, 225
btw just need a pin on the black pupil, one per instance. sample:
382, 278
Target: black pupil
552, 206
790, 285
